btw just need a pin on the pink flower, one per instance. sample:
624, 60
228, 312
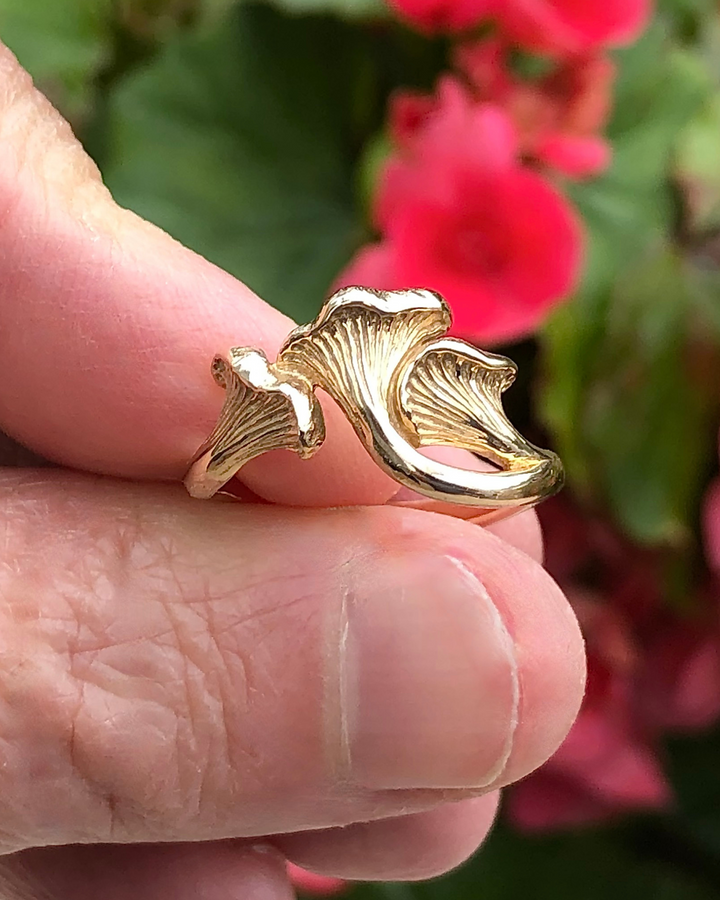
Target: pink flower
649, 672
680, 683
315, 885
599, 773
712, 527
606, 766
559, 118
572, 26
443, 15
462, 215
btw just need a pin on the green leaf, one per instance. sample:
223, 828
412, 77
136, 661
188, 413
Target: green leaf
659, 84
62, 43
695, 775
376, 153
648, 418
659, 90
569, 342
641, 424
698, 169
351, 9
616, 413
241, 144
631, 207
706, 293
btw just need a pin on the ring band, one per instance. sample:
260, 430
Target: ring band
384, 359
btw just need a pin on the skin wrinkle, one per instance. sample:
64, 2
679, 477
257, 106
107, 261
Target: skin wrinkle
223, 704
72, 740
95, 672
190, 643
79, 588
261, 616
156, 802
190, 786
204, 602
194, 679
51, 159
344, 757
210, 606
55, 730
197, 684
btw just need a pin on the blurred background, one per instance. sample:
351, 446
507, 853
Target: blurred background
553, 168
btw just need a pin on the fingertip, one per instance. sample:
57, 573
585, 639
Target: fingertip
522, 531
548, 643
406, 848
550, 650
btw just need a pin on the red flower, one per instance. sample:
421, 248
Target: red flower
443, 15
557, 26
461, 215
572, 26
372, 266
559, 118
315, 885
577, 157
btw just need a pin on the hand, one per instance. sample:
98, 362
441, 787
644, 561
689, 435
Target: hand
248, 675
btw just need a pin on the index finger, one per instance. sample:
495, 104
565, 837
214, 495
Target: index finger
108, 326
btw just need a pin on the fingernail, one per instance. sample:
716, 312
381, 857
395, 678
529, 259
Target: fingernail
430, 685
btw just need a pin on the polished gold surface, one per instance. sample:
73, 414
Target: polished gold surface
382, 356
265, 409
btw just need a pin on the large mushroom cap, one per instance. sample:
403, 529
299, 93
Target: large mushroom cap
362, 339
401, 308
423, 305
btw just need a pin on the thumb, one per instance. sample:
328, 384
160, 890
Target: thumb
183, 671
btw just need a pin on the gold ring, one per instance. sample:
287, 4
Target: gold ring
384, 359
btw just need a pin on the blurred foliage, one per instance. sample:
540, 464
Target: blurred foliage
264, 155
261, 180
634, 347
346, 8
252, 133
62, 43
